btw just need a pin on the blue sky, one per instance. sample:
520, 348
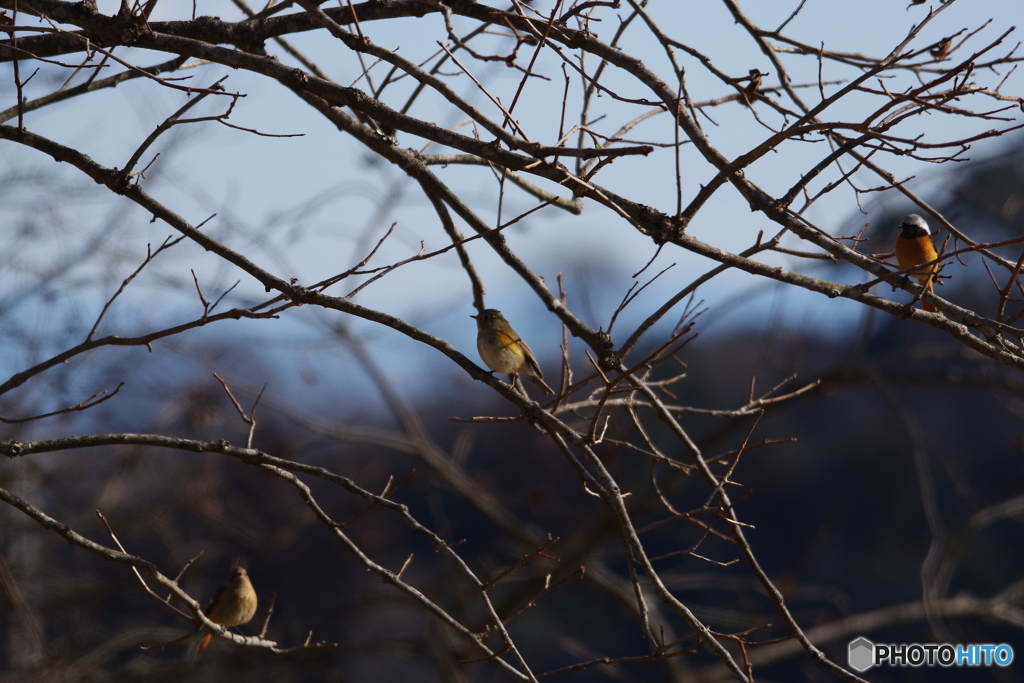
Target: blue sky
309, 207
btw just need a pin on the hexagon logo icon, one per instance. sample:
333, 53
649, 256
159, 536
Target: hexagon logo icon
861, 654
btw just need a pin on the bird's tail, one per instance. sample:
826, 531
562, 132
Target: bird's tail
930, 288
204, 643
539, 382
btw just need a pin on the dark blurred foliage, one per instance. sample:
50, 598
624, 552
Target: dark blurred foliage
905, 449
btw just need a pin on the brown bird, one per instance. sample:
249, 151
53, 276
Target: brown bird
914, 246
503, 351
232, 604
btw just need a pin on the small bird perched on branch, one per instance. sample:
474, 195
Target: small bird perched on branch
914, 246
232, 604
503, 351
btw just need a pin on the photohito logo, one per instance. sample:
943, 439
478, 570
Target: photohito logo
863, 654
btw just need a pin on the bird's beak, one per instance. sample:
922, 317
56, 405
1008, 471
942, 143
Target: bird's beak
474, 317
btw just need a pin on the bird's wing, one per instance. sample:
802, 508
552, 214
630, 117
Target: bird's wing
531, 360
217, 595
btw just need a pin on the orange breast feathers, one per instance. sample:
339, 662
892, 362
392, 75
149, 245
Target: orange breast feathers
914, 246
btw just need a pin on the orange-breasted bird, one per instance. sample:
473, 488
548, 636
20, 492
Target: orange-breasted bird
914, 246
503, 351
232, 604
